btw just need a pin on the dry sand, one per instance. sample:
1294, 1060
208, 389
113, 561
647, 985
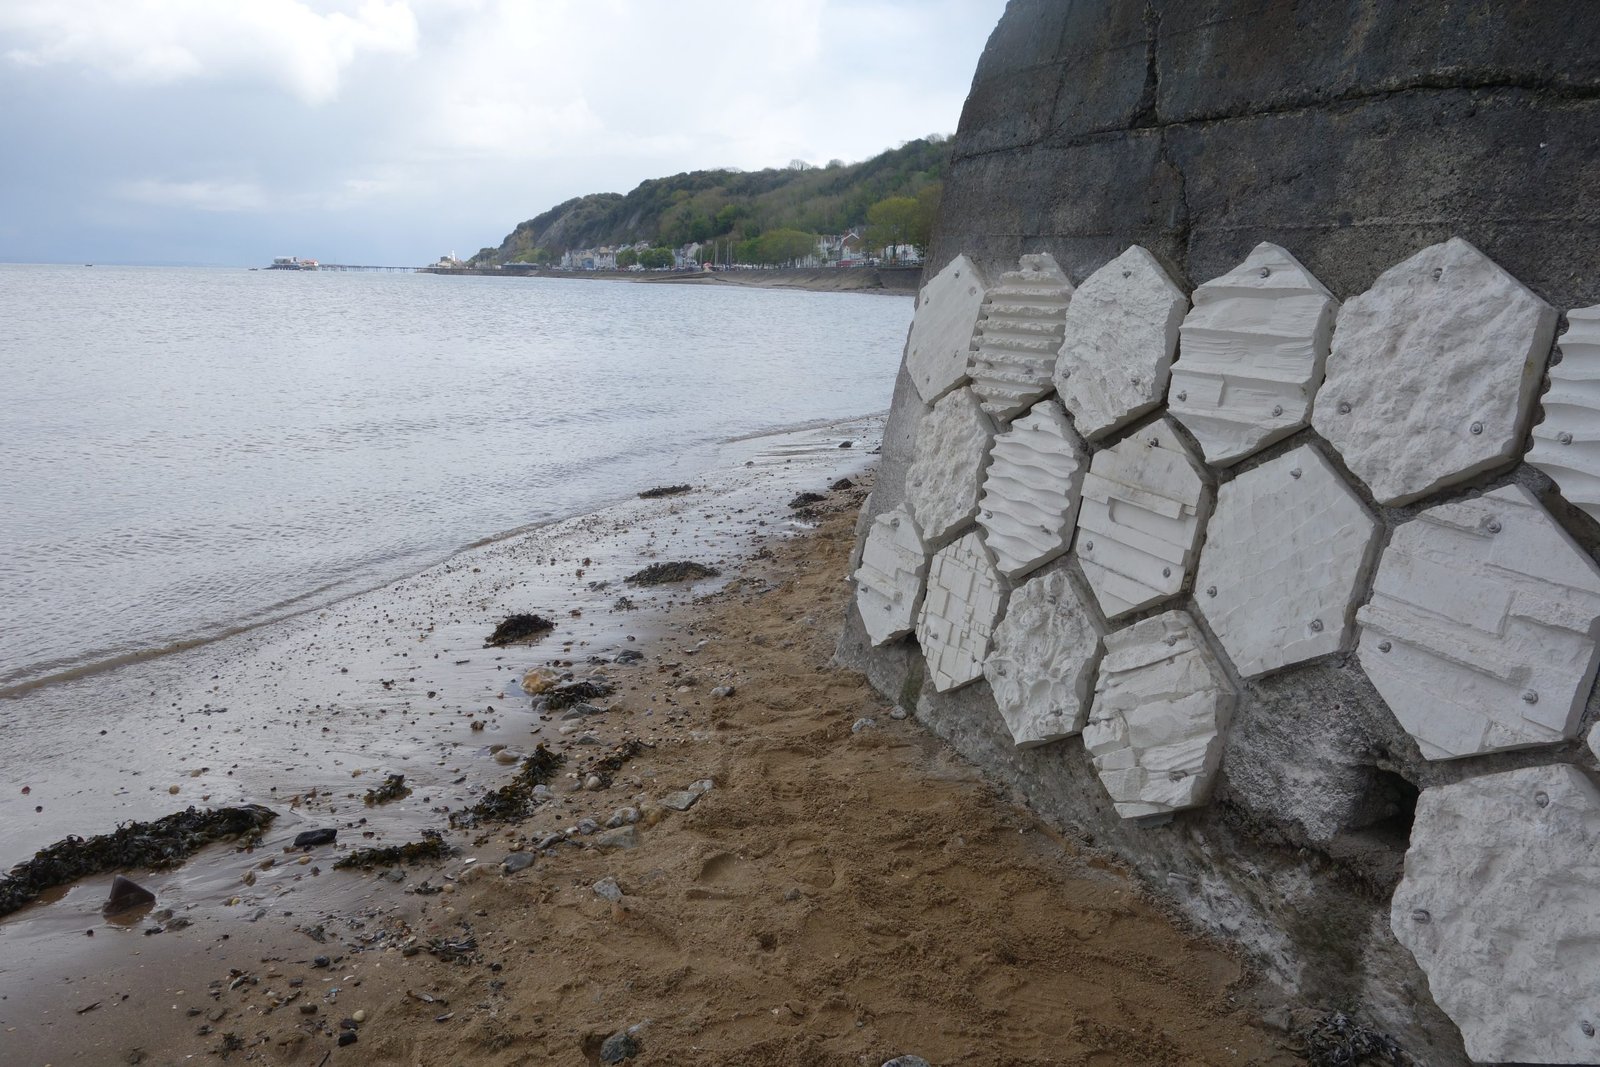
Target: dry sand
839, 896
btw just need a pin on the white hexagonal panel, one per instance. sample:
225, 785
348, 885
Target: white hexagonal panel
1143, 504
1030, 491
1433, 372
1252, 354
1019, 336
947, 466
1121, 330
1287, 550
1498, 907
894, 566
1566, 445
1480, 634
943, 329
1042, 666
1160, 707
959, 612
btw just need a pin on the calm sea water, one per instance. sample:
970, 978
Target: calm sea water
187, 452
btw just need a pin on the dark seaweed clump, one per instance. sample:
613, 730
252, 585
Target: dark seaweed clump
431, 847
806, 500
663, 490
157, 845
662, 573
566, 694
393, 788
612, 762
519, 628
515, 800
1336, 1040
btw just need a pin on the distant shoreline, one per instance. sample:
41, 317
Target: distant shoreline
899, 281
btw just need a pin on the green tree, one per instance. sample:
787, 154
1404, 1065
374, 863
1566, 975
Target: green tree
656, 258
891, 222
927, 214
784, 246
627, 258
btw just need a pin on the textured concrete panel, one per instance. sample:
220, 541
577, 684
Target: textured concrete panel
1030, 491
1566, 445
944, 328
1498, 907
1019, 336
952, 444
1042, 666
1433, 372
959, 613
1252, 355
1287, 550
894, 566
1143, 504
1121, 330
1160, 707
1481, 631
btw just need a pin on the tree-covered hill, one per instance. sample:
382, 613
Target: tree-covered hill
706, 205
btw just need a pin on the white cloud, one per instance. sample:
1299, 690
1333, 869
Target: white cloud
207, 196
299, 45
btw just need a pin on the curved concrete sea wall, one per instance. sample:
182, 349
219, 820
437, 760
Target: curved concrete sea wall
1284, 573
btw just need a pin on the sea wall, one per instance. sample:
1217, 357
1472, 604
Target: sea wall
1430, 176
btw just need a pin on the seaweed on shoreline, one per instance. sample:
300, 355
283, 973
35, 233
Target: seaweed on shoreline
431, 847
566, 694
393, 788
163, 843
662, 573
514, 800
664, 490
521, 627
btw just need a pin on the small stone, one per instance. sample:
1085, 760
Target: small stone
588, 826
618, 1047
550, 840
312, 838
359, 1015
624, 837
702, 787
722, 691
898, 713
907, 1061
622, 817
517, 861
682, 800
308, 1009
347, 1037
607, 889
863, 723
321, 962
628, 655
593, 783
543, 792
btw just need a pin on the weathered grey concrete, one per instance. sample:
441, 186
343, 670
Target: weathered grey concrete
1353, 133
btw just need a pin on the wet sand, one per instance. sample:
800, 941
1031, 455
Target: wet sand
837, 896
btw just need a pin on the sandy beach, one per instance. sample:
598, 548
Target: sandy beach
745, 855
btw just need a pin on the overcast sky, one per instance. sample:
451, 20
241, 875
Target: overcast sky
391, 131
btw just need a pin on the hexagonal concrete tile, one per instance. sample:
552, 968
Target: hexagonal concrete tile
1498, 906
1481, 631
1019, 336
959, 612
1252, 354
1160, 708
1566, 445
947, 467
944, 328
1043, 663
1287, 551
1144, 501
1031, 490
1121, 330
1433, 371
894, 566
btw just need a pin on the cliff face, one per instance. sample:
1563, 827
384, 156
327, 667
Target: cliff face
1354, 133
